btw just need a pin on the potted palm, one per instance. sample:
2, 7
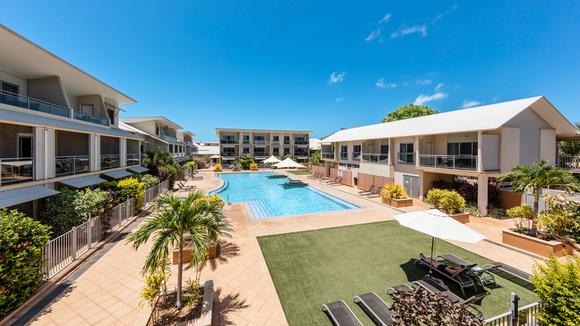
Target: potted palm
449, 202
217, 167
394, 195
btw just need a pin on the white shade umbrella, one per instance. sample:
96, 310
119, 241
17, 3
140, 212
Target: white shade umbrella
271, 159
438, 225
289, 163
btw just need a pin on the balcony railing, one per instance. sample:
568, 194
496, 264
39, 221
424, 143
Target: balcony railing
110, 161
89, 118
33, 104
14, 170
261, 154
356, 156
67, 165
168, 137
228, 141
260, 141
344, 156
569, 162
456, 162
133, 159
375, 158
230, 154
300, 142
301, 154
328, 156
406, 158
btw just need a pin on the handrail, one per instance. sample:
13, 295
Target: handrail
26, 100
455, 162
65, 165
381, 158
406, 157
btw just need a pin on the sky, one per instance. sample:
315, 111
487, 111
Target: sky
311, 65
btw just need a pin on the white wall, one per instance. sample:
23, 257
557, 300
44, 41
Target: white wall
383, 170
548, 145
529, 124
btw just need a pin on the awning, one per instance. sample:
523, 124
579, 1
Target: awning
23, 195
82, 182
138, 169
118, 174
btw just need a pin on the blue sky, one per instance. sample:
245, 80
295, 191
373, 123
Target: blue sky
314, 65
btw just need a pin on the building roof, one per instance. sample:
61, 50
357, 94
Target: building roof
486, 117
315, 144
81, 182
18, 196
159, 118
45, 120
28, 60
186, 132
203, 149
117, 174
281, 131
134, 130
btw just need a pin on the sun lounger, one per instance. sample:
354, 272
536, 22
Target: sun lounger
340, 314
184, 187
511, 273
375, 308
479, 274
399, 288
433, 285
457, 274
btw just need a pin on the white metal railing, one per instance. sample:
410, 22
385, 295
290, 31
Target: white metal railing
406, 157
33, 104
326, 155
110, 161
455, 162
91, 118
379, 158
569, 162
526, 316
63, 250
132, 159
13, 170
65, 165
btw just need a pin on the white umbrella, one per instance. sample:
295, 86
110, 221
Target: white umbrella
215, 156
438, 225
271, 159
289, 163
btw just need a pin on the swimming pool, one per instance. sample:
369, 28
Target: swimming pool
267, 197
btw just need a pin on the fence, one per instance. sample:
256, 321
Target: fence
63, 250
526, 316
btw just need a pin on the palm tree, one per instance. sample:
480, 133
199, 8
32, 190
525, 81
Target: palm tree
173, 219
156, 158
537, 176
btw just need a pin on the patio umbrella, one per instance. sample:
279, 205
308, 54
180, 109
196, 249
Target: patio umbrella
437, 224
289, 163
270, 160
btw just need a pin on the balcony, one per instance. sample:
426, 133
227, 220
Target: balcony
67, 165
110, 161
261, 154
356, 156
230, 154
344, 156
168, 137
133, 159
377, 158
89, 118
569, 162
327, 155
406, 158
300, 154
454, 162
228, 141
261, 141
300, 142
33, 104
14, 170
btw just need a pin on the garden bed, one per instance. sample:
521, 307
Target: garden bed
406, 202
199, 313
461, 217
532, 244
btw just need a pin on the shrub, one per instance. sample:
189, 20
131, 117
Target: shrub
192, 293
394, 191
473, 210
168, 172
524, 216
449, 201
217, 167
245, 161
253, 166
21, 241
108, 185
562, 218
558, 287
149, 181
200, 164
131, 187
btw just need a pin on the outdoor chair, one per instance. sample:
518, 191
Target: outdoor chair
399, 288
434, 285
184, 187
375, 308
479, 274
456, 274
511, 273
340, 314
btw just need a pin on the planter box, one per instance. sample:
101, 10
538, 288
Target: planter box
537, 246
407, 202
461, 217
213, 252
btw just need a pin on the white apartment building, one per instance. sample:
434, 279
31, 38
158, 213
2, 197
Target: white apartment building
186, 137
261, 144
58, 126
477, 143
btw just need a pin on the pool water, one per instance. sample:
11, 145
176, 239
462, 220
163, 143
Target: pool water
267, 197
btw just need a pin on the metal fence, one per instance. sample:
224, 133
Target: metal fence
63, 250
526, 316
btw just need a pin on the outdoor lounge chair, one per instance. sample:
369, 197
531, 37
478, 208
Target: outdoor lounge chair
457, 274
511, 273
479, 274
340, 314
375, 308
184, 187
399, 288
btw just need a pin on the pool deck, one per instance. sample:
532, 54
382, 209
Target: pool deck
107, 292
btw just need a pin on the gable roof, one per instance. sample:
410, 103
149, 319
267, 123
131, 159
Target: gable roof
486, 117
159, 118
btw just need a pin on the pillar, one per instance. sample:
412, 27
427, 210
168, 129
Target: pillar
479, 150
417, 152
44, 153
94, 152
391, 157
482, 184
123, 151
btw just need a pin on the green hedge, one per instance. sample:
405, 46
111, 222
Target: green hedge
21, 241
131, 187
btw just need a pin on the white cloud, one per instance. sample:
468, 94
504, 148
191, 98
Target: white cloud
385, 19
378, 30
469, 104
339, 99
440, 16
403, 31
439, 86
423, 82
373, 35
422, 99
336, 78
381, 84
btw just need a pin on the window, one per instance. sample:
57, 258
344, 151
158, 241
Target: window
463, 148
87, 109
286, 151
286, 139
246, 150
343, 152
111, 115
9, 87
275, 151
384, 149
406, 153
356, 151
275, 139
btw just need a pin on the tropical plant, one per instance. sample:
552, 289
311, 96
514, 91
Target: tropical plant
156, 158
245, 161
168, 172
131, 188
570, 148
420, 307
236, 165
217, 167
409, 111
192, 292
561, 218
314, 158
153, 291
524, 216
537, 176
473, 210
394, 191
558, 287
173, 219
22, 240
448, 201
253, 166
149, 181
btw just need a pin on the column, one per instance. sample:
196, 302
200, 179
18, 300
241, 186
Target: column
482, 184
123, 151
417, 152
391, 157
44, 153
479, 150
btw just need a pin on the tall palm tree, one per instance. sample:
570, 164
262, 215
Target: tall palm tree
537, 176
174, 219
156, 158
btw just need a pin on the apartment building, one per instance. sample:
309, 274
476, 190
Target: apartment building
477, 143
261, 144
159, 133
58, 125
186, 137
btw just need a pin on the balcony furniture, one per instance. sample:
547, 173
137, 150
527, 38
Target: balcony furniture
185, 187
340, 314
375, 308
13, 170
33, 104
479, 274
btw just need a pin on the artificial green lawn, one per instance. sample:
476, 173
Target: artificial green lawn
316, 267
